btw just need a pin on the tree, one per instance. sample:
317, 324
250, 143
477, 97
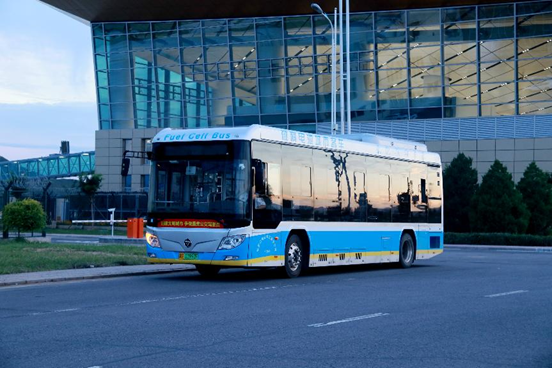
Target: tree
89, 186
497, 206
24, 215
18, 185
537, 196
459, 185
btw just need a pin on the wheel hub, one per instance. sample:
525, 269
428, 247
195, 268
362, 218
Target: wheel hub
294, 257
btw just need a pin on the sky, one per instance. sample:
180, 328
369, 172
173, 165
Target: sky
46, 81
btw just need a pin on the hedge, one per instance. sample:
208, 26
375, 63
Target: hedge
498, 239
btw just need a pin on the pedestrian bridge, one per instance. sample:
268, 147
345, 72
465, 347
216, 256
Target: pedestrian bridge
54, 166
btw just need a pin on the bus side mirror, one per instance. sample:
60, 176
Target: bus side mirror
259, 177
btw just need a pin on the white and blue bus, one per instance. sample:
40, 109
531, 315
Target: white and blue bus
265, 197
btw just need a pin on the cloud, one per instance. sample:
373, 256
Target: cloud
35, 71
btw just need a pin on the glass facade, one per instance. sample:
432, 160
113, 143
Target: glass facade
473, 61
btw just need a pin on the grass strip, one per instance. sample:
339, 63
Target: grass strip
498, 239
18, 256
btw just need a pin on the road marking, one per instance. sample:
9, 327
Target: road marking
352, 319
167, 299
506, 293
54, 311
197, 295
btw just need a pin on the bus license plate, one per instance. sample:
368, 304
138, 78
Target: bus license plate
188, 256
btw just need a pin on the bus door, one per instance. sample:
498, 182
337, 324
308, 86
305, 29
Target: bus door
267, 200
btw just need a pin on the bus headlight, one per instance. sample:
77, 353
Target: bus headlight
153, 240
231, 242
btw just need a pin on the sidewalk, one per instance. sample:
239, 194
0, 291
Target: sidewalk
89, 273
81, 239
515, 248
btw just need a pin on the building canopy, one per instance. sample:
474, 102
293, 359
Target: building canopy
148, 10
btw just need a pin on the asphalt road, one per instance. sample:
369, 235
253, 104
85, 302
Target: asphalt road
461, 309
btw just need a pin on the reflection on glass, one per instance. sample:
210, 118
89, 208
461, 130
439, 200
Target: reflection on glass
220, 69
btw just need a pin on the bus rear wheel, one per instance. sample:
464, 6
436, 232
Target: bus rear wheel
406, 251
293, 257
207, 270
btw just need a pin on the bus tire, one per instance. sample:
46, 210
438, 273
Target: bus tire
406, 251
207, 270
293, 262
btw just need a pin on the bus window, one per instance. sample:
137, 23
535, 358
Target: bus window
418, 205
267, 212
300, 183
360, 197
274, 180
379, 198
401, 191
297, 184
434, 198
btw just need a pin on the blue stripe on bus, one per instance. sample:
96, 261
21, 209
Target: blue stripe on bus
322, 242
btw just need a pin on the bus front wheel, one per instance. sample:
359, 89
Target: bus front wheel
207, 270
293, 256
406, 251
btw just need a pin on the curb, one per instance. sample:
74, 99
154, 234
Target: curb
515, 248
48, 279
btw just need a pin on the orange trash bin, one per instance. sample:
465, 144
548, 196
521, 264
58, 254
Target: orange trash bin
131, 226
139, 228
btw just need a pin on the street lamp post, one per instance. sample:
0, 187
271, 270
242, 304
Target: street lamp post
341, 76
319, 10
348, 51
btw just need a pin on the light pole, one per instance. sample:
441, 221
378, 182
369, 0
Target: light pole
348, 45
319, 10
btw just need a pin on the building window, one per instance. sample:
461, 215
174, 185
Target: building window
144, 183
127, 145
127, 185
451, 62
145, 143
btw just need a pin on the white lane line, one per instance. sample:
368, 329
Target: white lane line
189, 296
352, 319
173, 298
54, 311
506, 293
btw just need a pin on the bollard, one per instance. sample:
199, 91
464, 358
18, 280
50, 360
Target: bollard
139, 228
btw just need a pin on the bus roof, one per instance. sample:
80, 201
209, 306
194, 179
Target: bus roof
369, 144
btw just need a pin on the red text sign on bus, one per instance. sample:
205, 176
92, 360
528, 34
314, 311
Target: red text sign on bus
190, 223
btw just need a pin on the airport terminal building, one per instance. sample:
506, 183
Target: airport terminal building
472, 76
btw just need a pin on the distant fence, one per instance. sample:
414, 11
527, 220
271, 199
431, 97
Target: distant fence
127, 205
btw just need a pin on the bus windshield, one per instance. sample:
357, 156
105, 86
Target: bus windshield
209, 180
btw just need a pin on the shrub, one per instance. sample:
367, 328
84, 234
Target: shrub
537, 196
497, 206
459, 185
25, 215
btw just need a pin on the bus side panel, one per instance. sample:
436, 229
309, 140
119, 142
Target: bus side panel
430, 241
353, 246
266, 248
